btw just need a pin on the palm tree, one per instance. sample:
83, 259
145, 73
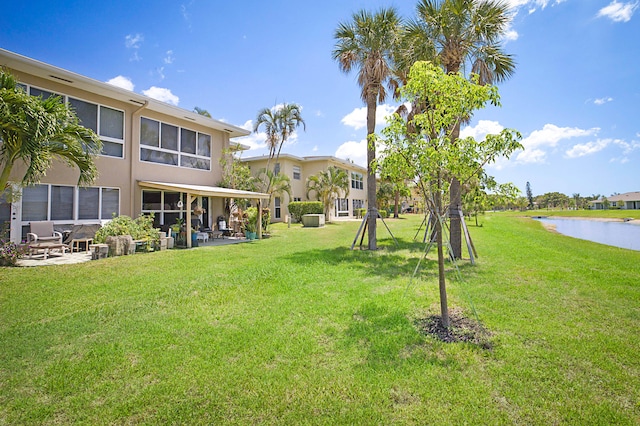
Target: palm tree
366, 43
279, 123
465, 32
275, 184
202, 111
328, 185
35, 131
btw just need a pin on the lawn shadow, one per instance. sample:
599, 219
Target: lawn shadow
388, 338
389, 261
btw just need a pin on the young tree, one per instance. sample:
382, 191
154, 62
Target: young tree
465, 32
35, 131
428, 150
366, 43
201, 111
328, 185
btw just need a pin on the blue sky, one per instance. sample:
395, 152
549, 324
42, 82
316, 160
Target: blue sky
575, 96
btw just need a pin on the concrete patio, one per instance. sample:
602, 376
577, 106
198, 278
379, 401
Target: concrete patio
81, 257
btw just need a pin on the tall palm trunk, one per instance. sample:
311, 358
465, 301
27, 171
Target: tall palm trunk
455, 204
371, 173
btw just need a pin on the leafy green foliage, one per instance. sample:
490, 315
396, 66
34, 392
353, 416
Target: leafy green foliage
36, 130
140, 228
297, 209
328, 185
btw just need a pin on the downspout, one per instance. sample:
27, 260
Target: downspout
132, 183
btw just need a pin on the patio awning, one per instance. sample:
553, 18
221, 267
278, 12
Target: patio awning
205, 191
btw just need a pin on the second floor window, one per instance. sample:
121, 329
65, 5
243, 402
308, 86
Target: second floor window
356, 181
175, 146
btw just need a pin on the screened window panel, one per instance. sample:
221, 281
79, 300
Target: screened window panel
204, 145
170, 218
35, 202
110, 202
171, 200
169, 139
159, 157
149, 132
151, 200
86, 112
188, 141
111, 123
61, 202
194, 163
88, 203
112, 149
44, 93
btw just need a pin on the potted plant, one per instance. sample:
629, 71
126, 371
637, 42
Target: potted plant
251, 223
197, 210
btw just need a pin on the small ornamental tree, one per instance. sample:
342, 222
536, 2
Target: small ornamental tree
424, 146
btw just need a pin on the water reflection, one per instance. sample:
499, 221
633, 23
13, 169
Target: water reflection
617, 234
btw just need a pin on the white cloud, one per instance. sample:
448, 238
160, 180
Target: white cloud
618, 12
354, 151
161, 94
582, 149
531, 156
602, 101
358, 117
257, 141
133, 41
315, 148
254, 141
169, 58
121, 82
532, 5
482, 129
551, 134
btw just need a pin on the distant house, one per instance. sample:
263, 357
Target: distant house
299, 169
627, 201
156, 158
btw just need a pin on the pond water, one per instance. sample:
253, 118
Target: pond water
618, 234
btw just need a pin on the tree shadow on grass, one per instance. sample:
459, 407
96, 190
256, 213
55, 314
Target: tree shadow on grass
390, 261
389, 339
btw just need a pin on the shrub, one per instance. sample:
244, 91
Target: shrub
360, 212
297, 209
9, 252
141, 228
384, 213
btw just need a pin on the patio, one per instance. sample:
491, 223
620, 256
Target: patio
81, 257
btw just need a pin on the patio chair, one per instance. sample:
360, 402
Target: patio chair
42, 232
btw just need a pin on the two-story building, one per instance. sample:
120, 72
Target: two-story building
156, 158
299, 169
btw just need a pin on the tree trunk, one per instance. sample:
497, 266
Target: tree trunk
444, 310
455, 203
371, 175
395, 211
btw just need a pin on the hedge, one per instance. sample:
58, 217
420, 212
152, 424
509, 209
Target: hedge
297, 209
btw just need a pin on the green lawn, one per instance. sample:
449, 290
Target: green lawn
298, 329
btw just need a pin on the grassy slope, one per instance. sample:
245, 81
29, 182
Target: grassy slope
299, 329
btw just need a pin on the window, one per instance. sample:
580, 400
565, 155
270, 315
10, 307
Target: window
108, 123
342, 207
296, 172
358, 204
69, 203
166, 206
175, 146
276, 169
278, 209
297, 199
356, 181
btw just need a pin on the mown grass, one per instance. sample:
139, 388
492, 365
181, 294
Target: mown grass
298, 329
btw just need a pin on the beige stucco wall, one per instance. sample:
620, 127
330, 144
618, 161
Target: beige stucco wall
124, 173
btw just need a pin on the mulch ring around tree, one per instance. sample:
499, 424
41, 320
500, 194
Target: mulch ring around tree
461, 329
